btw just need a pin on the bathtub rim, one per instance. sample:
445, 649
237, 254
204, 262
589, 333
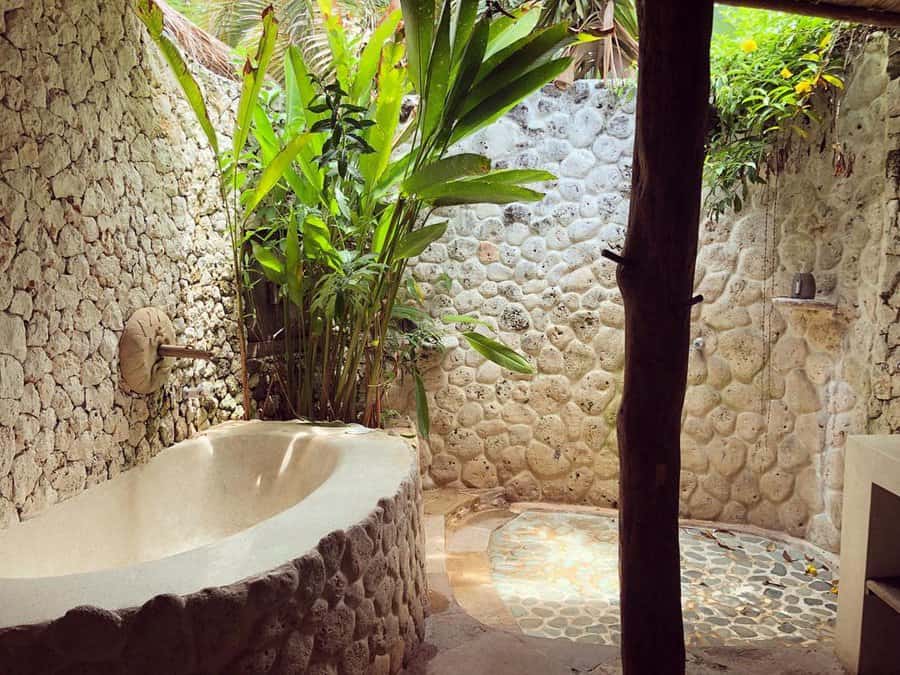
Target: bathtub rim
355, 487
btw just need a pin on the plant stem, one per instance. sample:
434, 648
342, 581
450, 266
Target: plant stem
238, 297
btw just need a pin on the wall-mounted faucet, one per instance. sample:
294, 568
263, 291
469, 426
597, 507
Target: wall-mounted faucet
181, 352
147, 350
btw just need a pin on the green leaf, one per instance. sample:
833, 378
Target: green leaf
505, 31
499, 353
413, 314
370, 57
468, 69
270, 262
418, 20
501, 102
519, 176
423, 420
467, 12
525, 54
302, 94
317, 242
361, 144
438, 74
254, 74
264, 134
292, 247
341, 50
392, 174
413, 243
446, 169
833, 81
477, 191
273, 172
392, 84
151, 16
381, 230
414, 290
294, 101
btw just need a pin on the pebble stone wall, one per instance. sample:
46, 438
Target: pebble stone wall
354, 605
106, 206
773, 392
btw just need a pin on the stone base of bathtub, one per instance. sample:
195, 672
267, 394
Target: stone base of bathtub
354, 605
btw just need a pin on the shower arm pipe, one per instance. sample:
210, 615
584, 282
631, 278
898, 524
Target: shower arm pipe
181, 352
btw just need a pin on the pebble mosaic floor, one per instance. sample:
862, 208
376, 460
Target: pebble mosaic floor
557, 575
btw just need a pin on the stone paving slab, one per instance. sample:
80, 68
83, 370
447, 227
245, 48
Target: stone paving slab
558, 575
457, 644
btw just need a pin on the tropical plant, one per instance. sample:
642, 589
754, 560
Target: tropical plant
338, 195
613, 21
362, 317
769, 73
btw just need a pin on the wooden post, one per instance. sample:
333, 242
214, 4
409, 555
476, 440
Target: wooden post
656, 279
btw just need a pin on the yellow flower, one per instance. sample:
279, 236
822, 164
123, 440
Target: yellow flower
785, 73
748, 46
803, 87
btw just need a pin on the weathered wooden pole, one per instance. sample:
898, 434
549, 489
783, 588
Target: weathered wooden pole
656, 280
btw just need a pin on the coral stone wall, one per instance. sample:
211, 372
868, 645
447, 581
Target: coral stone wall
776, 389
354, 605
106, 206
773, 392
882, 307
535, 273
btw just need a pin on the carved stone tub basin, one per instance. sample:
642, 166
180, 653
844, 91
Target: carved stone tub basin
271, 547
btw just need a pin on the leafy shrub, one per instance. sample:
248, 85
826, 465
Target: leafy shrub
335, 195
767, 70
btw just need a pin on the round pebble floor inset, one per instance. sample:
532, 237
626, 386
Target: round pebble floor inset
557, 575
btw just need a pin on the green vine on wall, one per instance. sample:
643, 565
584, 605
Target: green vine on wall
769, 73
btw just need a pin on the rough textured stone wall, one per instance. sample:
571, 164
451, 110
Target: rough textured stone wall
106, 206
883, 306
535, 273
776, 388
354, 605
773, 391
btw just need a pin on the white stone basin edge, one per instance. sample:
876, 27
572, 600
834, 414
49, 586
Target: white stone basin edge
236, 501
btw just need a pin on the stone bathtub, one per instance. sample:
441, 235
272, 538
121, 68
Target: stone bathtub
258, 547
